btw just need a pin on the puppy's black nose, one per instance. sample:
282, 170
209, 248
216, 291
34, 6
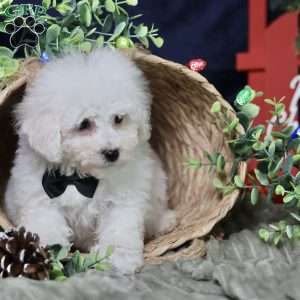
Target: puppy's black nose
111, 155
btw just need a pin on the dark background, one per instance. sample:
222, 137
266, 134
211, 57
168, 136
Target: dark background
215, 30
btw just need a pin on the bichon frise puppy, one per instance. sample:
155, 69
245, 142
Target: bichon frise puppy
84, 171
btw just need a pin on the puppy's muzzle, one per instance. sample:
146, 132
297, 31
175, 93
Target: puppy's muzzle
111, 155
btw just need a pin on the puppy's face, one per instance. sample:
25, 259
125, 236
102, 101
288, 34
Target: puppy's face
100, 138
87, 112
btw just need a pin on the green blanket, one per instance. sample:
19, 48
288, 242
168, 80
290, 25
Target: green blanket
242, 267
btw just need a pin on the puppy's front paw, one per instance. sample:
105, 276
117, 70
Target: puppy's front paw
127, 262
124, 261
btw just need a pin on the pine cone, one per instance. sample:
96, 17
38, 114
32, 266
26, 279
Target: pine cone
22, 256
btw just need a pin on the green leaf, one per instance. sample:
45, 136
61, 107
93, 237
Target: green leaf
8, 66
65, 7
220, 163
296, 158
274, 227
269, 101
258, 146
279, 190
295, 216
56, 274
279, 109
288, 165
238, 181
78, 261
109, 251
288, 198
262, 178
90, 260
275, 170
264, 234
110, 6
296, 232
297, 189
228, 190
216, 107
250, 110
132, 2
233, 124
257, 133
103, 266
100, 41
157, 41
108, 24
52, 33
289, 231
254, 195
218, 183
246, 95
118, 30
63, 253
6, 52
271, 149
144, 41
194, 163
46, 3
122, 42
141, 31
244, 120
77, 36
60, 278
4, 4
56, 266
85, 15
277, 238
86, 47
95, 5
277, 134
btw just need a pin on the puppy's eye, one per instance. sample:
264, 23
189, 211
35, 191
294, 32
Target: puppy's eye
118, 119
86, 124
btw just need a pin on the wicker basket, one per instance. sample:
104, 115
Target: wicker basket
183, 128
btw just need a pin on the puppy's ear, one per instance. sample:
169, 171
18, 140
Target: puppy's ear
43, 134
144, 130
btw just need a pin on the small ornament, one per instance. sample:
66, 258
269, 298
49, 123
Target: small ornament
44, 57
22, 256
246, 95
296, 133
197, 64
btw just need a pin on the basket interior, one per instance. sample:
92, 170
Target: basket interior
183, 128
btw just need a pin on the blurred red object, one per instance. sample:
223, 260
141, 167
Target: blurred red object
272, 62
197, 64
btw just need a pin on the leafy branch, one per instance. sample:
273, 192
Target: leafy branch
276, 156
63, 264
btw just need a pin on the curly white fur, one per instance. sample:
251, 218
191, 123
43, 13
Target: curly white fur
130, 200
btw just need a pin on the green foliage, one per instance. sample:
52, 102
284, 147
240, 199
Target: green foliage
82, 25
64, 264
275, 156
8, 65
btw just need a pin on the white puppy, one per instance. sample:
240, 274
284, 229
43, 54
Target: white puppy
89, 115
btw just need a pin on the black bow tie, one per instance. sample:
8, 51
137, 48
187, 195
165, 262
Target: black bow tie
55, 184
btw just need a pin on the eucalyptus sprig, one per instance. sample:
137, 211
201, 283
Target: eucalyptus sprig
65, 264
276, 157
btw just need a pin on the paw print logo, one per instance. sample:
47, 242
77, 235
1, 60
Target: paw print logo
24, 31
